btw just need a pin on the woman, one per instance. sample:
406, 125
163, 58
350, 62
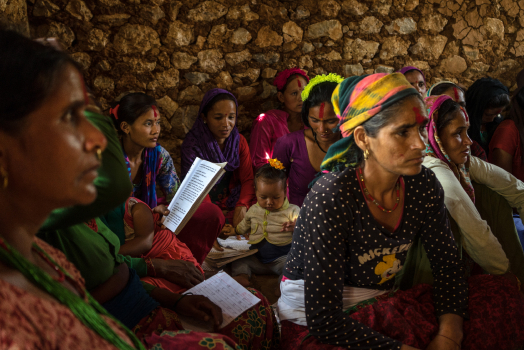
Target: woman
505, 148
44, 131
273, 124
114, 283
302, 152
214, 137
448, 157
357, 224
485, 101
137, 121
416, 78
458, 95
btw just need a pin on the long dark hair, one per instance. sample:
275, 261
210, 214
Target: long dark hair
130, 108
28, 74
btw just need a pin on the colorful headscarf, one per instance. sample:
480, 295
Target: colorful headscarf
435, 149
355, 101
282, 77
200, 142
406, 69
444, 82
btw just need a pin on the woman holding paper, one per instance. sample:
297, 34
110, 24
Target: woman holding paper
214, 137
137, 120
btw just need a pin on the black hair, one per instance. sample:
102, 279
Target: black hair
516, 116
320, 93
131, 107
29, 72
216, 99
375, 124
446, 113
499, 101
268, 174
442, 88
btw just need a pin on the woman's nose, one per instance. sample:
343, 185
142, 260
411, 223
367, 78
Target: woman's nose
94, 139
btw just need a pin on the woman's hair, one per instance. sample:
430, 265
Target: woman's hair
442, 88
270, 175
446, 113
374, 124
320, 93
289, 80
216, 99
130, 108
29, 72
499, 101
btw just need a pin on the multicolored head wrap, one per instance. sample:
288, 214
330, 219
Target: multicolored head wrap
435, 148
430, 90
282, 77
356, 100
319, 79
407, 69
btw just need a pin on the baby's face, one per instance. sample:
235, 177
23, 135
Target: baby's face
270, 196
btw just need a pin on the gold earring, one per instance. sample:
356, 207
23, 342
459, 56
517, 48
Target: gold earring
4, 174
366, 154
99, 154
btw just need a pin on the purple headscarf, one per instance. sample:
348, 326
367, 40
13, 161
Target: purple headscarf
410, 68
200, 142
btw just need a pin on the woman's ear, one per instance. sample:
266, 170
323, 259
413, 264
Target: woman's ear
125, 128
361, 138
280, 97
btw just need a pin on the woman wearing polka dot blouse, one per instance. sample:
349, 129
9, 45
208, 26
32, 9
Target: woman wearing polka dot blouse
355, 229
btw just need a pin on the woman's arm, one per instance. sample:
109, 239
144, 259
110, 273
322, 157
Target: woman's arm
450, 291
504, 144
144, 227
325, 235
477, 238
260, 144
245, 174
166, 176
112, 184
502, 159
500, 181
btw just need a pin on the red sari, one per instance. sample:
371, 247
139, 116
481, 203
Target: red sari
165, 246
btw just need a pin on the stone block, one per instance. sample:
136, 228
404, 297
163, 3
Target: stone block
135, 38
207, 11
267, 37
331, 29
211, 61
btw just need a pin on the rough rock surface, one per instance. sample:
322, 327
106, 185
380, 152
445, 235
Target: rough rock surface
177, 50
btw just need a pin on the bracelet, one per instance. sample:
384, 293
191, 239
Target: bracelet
176, 302
451, 340
150, 267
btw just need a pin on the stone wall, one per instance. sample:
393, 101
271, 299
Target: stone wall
13, 15
177, 50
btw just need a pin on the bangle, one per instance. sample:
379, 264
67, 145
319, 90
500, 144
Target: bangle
176, 302
150, 267
457, 344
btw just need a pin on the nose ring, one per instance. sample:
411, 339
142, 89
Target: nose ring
99, 154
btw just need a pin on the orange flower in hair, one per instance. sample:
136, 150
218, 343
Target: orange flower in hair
275, 163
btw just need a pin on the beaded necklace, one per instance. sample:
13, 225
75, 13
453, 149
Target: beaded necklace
89, 313
366, 192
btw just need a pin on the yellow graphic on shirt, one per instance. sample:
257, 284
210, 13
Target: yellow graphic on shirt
388, 268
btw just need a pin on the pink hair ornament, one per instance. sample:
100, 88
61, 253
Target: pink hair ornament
114, 111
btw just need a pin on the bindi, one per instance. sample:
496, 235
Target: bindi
321, 111
456, 94
155, 112
419, 117
299, 83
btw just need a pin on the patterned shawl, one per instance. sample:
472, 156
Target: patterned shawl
435, 149
356, 100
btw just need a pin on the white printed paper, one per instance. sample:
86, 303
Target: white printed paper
225, 292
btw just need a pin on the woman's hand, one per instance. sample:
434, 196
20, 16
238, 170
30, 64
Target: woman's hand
180, 272
240, 212
228, 230
442, 343
201, 308
288, 226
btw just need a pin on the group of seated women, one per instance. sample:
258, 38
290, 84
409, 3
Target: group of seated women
373, 203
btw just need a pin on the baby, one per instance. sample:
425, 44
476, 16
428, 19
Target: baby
268, 225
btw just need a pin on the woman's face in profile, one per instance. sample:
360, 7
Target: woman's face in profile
291, 97
400, 146
53, 158
455, 139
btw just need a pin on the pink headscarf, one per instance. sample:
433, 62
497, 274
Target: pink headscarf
282, 77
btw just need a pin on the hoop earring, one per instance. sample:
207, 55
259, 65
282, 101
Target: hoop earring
366, 154
5, 175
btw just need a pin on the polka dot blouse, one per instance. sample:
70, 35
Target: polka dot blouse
337, 242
